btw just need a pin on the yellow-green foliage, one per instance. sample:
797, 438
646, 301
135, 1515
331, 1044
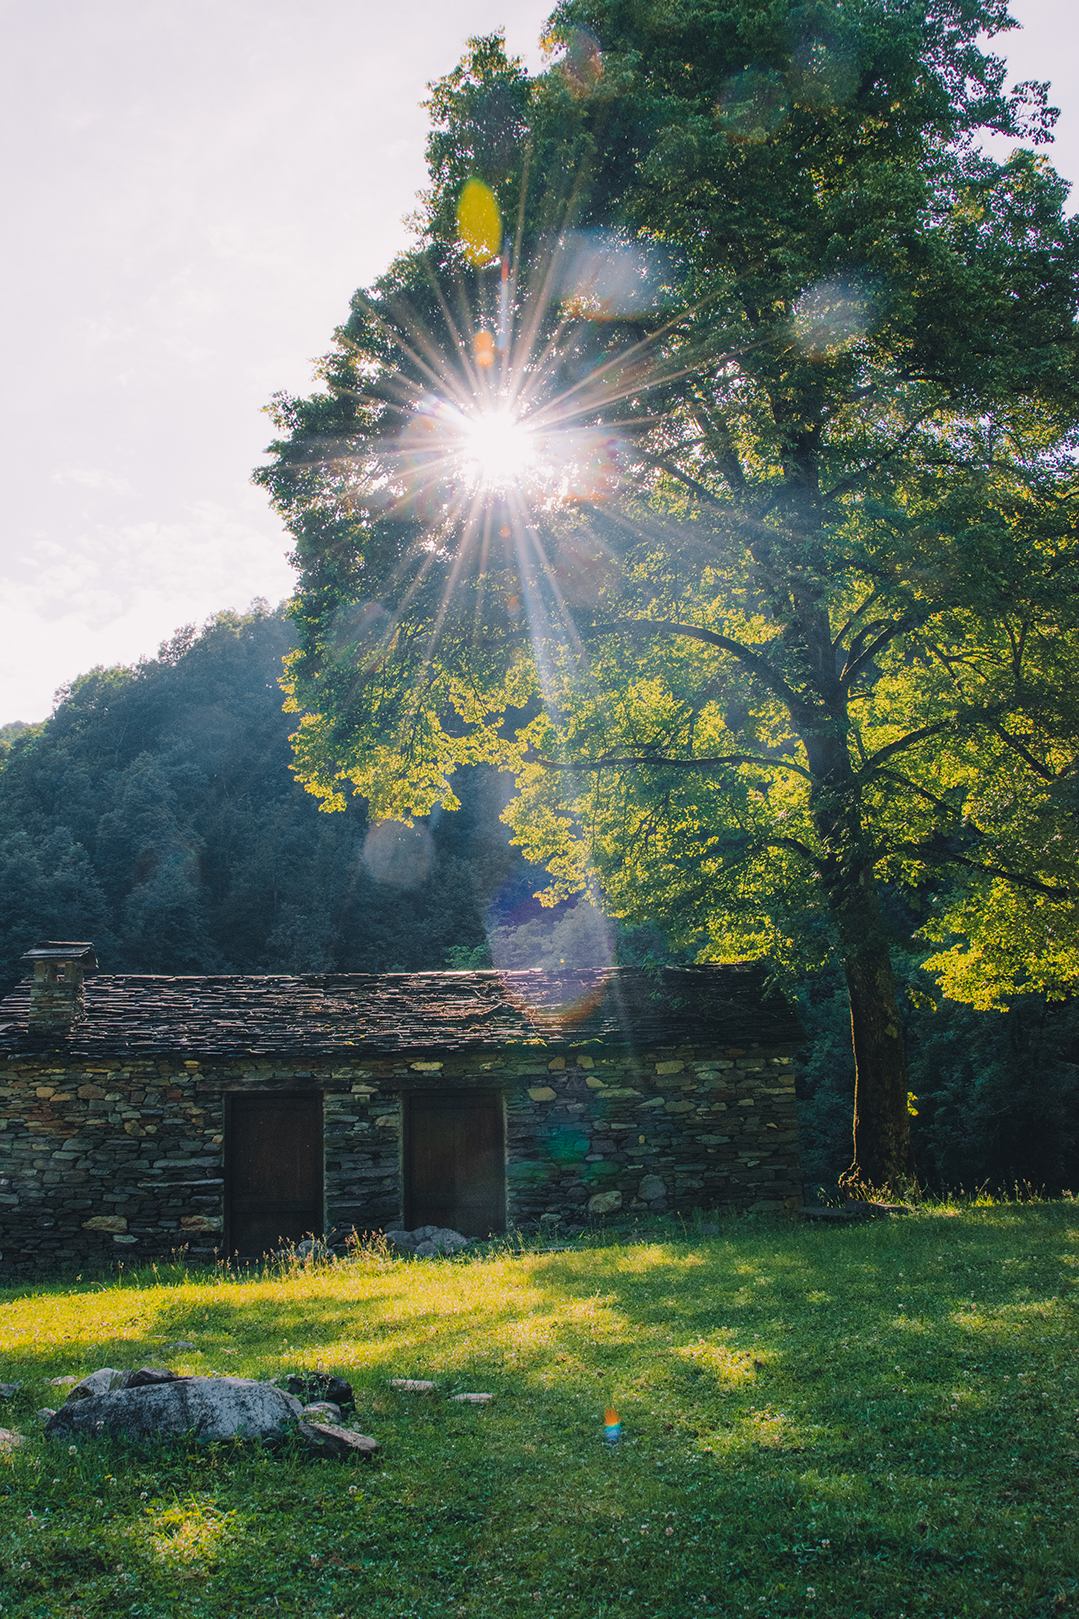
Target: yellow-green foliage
875, 1420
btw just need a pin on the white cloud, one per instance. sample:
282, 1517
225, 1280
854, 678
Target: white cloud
112, 596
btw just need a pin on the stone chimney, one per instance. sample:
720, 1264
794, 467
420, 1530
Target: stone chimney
56, 998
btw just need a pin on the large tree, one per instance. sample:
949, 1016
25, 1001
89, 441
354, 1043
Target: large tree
746, 537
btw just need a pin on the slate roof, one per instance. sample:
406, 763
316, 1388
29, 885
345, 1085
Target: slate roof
324, 1014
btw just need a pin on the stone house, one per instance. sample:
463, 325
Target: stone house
141, 1114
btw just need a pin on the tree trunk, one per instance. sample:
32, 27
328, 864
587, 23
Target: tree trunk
882, 1151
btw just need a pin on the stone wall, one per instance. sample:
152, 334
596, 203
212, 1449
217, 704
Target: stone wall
105, 1162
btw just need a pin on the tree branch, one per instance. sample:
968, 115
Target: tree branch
1024, 753
1018, 878
986, 715
615, 761
696, 632
852, 670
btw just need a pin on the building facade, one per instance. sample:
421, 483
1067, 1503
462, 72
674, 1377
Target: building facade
140, 1115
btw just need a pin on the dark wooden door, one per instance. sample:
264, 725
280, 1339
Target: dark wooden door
455, 1172
273, 1169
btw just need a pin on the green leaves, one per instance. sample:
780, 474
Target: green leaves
792, 607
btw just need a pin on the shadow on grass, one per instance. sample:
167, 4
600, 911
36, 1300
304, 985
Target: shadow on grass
875, 1412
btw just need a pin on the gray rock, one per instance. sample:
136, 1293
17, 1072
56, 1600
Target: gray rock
322, 1411
62, 1382
147, 1377
441, 1241
308, 1386
427, 1240
652, 1188
182, 1344
336, 1441
604, 1202
99, 1382
45, 1413
8, 1389
314, 1248
207, 1407
471, 1399
412, 1385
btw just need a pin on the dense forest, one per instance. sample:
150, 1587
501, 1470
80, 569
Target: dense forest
155, 814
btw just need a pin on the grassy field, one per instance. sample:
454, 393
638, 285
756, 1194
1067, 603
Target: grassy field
871, 1420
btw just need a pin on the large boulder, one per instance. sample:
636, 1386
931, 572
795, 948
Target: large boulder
204, 1407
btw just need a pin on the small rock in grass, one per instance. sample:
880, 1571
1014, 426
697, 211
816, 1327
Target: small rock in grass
62, 1382
336, 1441
45, 1413
427, 1241
320, 1386
182, 1344
8, 1389
472, 1399
412, 1385
8, 1439
322, 1411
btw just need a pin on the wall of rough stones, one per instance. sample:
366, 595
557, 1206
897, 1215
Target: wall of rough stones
106, 1162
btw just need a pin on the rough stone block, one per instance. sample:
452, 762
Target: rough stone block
208, 1408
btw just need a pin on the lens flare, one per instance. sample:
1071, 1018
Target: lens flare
498, 448
479, 222
397, 854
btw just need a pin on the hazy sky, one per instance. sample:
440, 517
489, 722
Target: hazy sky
192, 192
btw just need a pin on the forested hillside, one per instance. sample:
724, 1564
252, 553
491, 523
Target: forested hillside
155, 814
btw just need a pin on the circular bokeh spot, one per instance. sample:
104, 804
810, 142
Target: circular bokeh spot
397, 854
753, 106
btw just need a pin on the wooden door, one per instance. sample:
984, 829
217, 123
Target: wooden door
455, 1164
273, 1169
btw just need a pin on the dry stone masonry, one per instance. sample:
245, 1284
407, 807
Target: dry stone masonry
649, 1093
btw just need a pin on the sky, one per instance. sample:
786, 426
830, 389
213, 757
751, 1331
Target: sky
191, 194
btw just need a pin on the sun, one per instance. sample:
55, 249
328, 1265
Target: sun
498, 449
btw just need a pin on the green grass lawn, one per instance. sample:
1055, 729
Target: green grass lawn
868, 1420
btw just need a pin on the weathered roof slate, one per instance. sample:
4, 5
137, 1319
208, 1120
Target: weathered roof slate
321, 1015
